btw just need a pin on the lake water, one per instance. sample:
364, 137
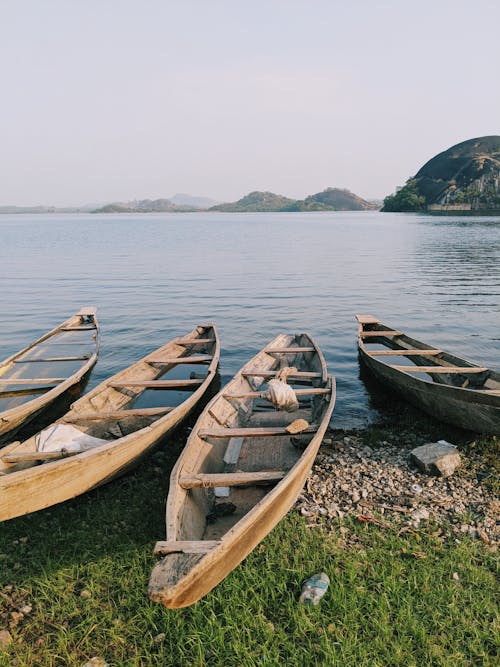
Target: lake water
156, 276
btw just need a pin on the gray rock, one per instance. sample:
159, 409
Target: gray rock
436, 458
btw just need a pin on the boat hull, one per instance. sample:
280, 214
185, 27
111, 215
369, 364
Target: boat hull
465, 407
36, 487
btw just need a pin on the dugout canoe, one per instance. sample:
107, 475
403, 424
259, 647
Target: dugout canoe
445, 386
116, 426
52, 368
241, 470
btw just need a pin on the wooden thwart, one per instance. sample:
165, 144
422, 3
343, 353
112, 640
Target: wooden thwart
379, 334
31, 380
186, 546
51, 359
157, 384
299, 374
440, 369
194, 341
257, 432
404, 353
24, 392
289, 350
313, 391
117, 414
230, 479
89, 328
21, 457
195, 359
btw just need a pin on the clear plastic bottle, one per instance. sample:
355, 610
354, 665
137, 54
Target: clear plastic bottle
314, 588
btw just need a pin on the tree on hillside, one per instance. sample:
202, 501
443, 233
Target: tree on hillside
406, 198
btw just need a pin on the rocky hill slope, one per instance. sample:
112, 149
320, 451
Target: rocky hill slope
464, 177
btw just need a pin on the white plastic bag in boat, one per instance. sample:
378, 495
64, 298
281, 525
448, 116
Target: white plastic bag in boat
281, 395
67, 437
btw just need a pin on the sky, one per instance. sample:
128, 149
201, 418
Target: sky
114, 100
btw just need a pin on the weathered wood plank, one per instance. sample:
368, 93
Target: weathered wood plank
367, 319
440, 369
404, 353
185, 546
21, 457
379, 334
157, 384
256, 432
195, 359
31, 380
313, 391
51, 359
230, 479
12, 393
82, 328
117, 414
298, 374
194, 341
289, 350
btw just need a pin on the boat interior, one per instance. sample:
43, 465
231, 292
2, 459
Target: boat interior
242, 445
133, 398
45, 364
428, 363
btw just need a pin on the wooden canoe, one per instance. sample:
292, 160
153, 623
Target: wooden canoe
114, 411
240, 458
447, 387
54, 367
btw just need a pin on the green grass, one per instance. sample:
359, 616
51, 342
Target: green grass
384, 606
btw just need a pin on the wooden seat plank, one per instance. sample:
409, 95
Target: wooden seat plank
313, 391
31, 380
51, 359
404, 353
203, 480
13, 393
195, 359
82, 328
289, 350
299, 374
117, 414
185, 546
194, 341
379, 334
249, 432
440, 369
22, 457
157, 384
367, 319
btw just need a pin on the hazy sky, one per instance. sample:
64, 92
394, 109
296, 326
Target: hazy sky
106, 100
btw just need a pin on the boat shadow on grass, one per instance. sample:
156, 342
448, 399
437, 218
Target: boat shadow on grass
119, 519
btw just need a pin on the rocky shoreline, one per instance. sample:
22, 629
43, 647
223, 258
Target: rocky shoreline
368, 474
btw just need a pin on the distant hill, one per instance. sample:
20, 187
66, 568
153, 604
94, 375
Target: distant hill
142, 206
338, 200
331, 199
464, 177
256, 201
182, 199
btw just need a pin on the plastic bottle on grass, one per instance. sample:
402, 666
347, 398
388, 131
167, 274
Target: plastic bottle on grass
314, 588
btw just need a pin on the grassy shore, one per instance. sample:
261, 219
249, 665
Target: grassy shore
394, 599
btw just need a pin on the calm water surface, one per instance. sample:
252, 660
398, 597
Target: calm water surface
156, 276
